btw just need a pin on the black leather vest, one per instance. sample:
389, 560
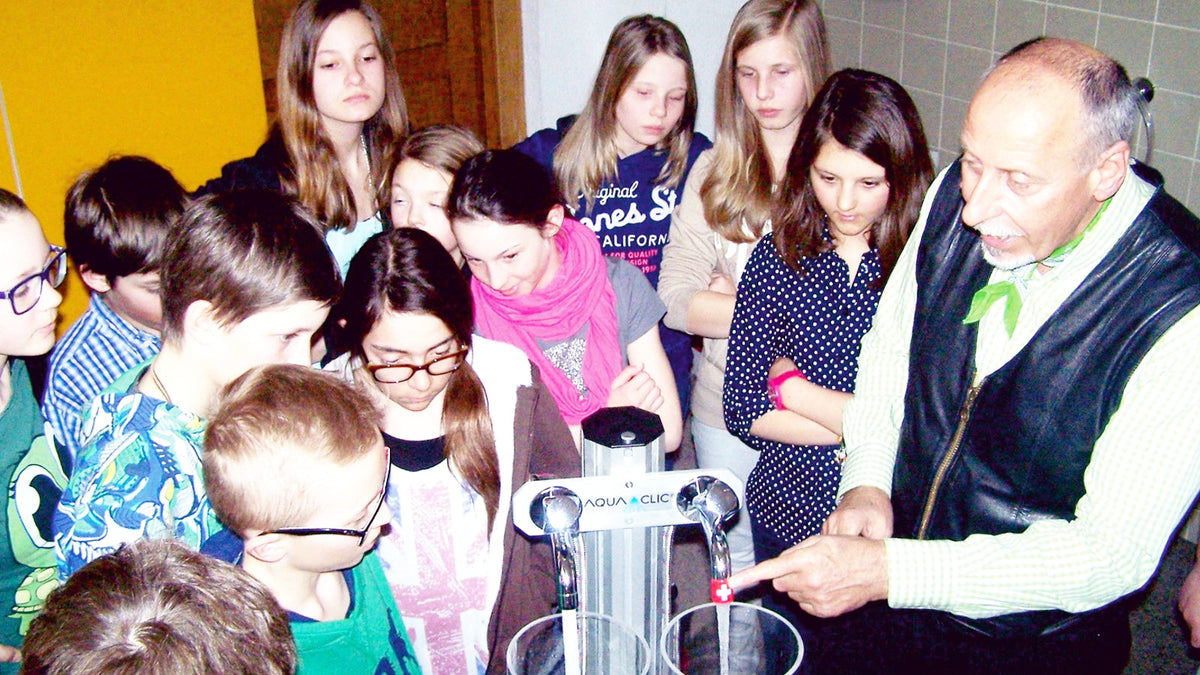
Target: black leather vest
993, 459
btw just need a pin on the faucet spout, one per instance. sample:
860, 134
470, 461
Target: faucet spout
718, 550
556, 510
566, 567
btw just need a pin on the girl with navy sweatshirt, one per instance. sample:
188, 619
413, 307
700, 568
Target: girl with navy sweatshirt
622, 162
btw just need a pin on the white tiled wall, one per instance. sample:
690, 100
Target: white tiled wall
938, 49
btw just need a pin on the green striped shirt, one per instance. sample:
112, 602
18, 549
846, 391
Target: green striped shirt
1143, 476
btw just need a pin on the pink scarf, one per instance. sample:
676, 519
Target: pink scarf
579, 294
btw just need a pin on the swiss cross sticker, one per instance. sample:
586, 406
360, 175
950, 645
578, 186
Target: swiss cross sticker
722, 594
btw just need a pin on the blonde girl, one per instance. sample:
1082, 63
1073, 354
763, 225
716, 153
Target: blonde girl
775, 59
637, 126
622, 162
341, 115
421, 179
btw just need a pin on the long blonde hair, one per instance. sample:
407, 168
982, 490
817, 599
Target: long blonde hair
737, 191
587, 154
316, 178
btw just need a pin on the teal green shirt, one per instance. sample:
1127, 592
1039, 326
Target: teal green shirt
371, 639
32, 474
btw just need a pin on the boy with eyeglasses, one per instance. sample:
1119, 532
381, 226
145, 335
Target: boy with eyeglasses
247, 281
295, 465
31, 477
116, 223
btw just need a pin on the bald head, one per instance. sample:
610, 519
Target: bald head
1066, 57
1107, 101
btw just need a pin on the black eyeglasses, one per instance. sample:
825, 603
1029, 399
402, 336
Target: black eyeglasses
395, 373
25, 295
361, 534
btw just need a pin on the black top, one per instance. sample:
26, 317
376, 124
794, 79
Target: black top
416, 455
263, 170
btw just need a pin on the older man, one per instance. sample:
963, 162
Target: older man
1023, 440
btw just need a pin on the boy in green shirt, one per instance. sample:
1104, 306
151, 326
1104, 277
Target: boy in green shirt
295, 465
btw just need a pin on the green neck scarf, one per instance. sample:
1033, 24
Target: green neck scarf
1008, 289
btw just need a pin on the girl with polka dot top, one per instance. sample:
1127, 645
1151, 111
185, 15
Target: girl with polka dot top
853, 191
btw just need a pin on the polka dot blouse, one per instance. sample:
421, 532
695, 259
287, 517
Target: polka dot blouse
817, 319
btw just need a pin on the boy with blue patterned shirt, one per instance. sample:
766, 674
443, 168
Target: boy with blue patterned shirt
115, 224
247, 280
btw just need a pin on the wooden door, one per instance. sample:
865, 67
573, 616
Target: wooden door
460, 61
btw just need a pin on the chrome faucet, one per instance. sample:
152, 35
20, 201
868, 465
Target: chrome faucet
556, 511
712, 503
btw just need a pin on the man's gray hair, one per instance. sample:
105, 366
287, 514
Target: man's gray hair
1110, 101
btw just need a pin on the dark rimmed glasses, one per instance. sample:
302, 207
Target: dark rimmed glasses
395, 373
25, 294
346, 532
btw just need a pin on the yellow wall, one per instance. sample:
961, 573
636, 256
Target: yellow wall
178, 82
6, 173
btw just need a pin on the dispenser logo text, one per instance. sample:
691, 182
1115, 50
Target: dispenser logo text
629, 502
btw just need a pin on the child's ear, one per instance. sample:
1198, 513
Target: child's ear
94, 280
267, 548
554, 221
200, 323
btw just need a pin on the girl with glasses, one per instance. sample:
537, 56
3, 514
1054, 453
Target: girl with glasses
467, 421
30, 271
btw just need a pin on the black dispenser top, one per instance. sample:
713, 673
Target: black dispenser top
622, 427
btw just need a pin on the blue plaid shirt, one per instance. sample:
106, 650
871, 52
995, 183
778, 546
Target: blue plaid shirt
94, 352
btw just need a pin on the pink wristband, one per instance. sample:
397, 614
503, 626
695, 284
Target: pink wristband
774, 384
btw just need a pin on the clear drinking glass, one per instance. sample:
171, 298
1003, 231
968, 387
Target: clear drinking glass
604, 647
700, 641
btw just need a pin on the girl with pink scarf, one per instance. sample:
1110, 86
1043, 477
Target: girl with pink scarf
540, 283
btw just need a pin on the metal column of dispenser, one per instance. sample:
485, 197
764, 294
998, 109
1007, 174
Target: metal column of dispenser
626, 571
612, 528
